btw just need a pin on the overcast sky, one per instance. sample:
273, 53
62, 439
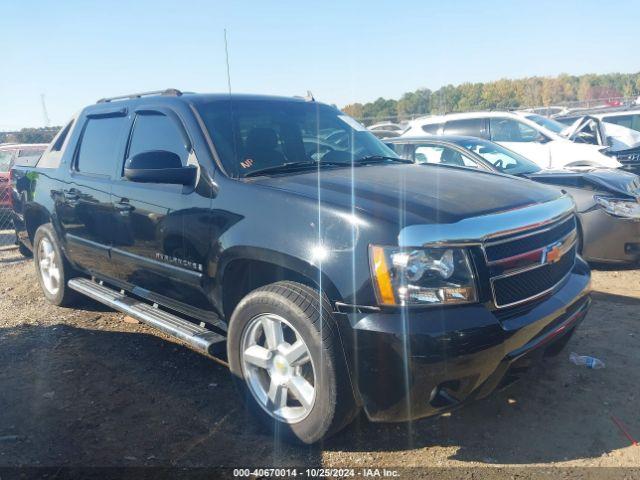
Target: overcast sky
76, 51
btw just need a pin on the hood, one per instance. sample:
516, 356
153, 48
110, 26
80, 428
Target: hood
413, 194
613, 181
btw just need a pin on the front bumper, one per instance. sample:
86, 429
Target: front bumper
411, 364
609, 239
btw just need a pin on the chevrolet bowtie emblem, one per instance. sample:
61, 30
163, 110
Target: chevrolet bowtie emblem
551, 254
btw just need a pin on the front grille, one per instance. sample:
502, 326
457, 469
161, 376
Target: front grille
630, 160
508, 248
526, 265
532, 283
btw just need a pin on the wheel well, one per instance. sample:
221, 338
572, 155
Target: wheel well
244, 276
33, 220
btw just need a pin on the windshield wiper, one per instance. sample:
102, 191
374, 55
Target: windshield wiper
292, 166
380, 159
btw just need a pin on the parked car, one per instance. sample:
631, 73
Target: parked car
9, 153
607, 200
625, 117
387, 126
381, 134
535, 137
330, 280
619, 129
549, 111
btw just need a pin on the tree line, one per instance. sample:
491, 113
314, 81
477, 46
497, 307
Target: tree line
504, 94
30, 135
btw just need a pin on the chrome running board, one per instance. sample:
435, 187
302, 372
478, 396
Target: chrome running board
198, 337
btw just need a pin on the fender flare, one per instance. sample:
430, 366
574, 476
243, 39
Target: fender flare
311, 272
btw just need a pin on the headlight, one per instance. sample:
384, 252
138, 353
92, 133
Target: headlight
619, 208
421, 276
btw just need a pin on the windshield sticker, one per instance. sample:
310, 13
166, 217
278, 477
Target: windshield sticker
357, 126
247, 163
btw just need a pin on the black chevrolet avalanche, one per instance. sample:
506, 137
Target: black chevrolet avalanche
279, 236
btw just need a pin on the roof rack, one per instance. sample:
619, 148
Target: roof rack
173, 92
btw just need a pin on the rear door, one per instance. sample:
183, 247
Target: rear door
160, 231
84, 203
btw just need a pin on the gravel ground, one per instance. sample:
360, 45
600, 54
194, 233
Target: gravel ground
84, 387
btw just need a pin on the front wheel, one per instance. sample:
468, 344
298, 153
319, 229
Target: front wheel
286, 357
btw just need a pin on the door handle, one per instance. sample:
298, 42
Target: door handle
124, 207
70, 195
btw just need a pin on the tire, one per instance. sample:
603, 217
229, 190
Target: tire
304, 417
48, 257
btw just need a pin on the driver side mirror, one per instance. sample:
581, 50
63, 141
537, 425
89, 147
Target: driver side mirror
159, 166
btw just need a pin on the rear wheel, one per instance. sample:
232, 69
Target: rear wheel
52, 268
285, 354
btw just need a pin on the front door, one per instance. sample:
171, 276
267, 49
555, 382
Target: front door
161, 231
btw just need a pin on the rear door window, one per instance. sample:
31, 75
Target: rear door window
100, 144
472, 127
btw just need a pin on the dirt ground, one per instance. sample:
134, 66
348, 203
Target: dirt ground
82, 387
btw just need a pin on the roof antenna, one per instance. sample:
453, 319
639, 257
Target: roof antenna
233, 123
226, 52
45, 114
309, 97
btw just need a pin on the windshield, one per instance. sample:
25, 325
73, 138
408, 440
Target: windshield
253, 135
503, 159
548, 123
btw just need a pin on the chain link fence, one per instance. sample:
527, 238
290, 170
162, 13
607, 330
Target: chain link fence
23, 154
7, 235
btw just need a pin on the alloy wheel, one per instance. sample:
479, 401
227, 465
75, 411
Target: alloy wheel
49, 266
278, 368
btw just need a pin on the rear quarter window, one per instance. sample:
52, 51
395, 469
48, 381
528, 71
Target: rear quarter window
431, 128
52, 158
